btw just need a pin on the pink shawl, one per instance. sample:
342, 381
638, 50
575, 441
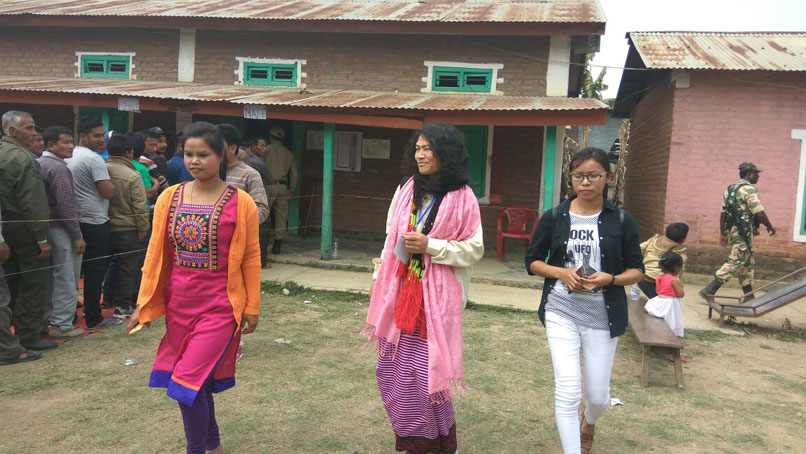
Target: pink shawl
458, 219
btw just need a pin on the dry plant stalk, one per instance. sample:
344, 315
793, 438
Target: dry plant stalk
570, 147
586, 132
618, 184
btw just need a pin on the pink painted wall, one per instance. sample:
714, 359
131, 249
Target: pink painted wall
725, 118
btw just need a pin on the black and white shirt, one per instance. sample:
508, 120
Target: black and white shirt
582, 307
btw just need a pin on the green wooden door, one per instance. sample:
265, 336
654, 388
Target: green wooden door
476, 143
113, 119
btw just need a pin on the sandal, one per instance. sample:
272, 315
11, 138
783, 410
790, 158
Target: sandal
29, 356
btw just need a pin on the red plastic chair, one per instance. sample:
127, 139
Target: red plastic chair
517, 226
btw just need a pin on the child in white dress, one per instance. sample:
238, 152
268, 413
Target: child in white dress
670, 289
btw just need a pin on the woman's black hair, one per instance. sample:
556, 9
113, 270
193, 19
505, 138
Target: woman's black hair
597, 154
448, 146
139, 140
670, 262
213, 138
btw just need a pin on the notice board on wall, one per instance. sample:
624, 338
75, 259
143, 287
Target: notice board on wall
376, 149
347, 150
315, 140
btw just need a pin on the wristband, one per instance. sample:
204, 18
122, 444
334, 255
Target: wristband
612, 279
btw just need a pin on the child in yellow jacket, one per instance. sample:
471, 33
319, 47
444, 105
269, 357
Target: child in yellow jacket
654, 248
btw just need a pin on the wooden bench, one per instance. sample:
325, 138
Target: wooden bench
754, 305
652, 332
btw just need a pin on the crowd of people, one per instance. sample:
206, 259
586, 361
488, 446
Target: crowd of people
71, 210
139, 224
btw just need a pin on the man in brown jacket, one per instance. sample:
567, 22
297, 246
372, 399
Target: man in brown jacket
128, 219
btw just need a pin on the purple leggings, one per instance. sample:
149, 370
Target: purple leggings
201, 429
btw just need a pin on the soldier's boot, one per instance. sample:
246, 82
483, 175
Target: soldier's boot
275, 248
710, 289
746, 289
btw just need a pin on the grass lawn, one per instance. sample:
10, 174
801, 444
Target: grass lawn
318, 394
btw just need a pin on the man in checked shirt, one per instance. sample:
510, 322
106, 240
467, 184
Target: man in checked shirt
64, 234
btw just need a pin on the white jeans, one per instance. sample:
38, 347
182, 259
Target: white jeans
598, 350
61, 283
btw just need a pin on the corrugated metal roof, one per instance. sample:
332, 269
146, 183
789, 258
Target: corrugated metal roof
724, 51
559, 11
346, 99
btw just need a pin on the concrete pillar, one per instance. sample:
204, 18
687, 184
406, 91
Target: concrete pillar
187, 55
799, 229
558, 67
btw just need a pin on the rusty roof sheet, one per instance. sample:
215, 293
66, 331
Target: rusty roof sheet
724, 51
559, 11
344, 99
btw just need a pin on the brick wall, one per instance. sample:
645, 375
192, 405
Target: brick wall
376, 62
514, 180
725, 118
51, 52
361, 198
648, 158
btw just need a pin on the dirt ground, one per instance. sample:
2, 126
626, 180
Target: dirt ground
744, 394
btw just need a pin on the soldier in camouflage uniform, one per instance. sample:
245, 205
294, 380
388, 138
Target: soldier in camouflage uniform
741, 214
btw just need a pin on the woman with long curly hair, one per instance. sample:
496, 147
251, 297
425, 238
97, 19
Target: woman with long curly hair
434, 237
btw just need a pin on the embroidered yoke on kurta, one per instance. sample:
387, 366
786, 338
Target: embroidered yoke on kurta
200, 338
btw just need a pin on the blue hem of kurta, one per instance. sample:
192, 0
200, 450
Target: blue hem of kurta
181, 393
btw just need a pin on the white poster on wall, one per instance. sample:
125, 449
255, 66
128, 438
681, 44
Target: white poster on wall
129, 104
315, 140
376, 149
347, 150
254, 112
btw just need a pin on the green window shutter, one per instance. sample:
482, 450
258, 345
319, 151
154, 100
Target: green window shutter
269, 74
256, 74
448, 80
476, 144
462, 79
284, 75
92, 67
106, 66
478, 81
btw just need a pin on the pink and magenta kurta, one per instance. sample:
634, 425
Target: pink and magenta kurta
201, 337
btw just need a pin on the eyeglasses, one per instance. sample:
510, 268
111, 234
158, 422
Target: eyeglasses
593, 178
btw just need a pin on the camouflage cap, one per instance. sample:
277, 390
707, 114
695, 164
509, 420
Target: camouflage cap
749, 166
